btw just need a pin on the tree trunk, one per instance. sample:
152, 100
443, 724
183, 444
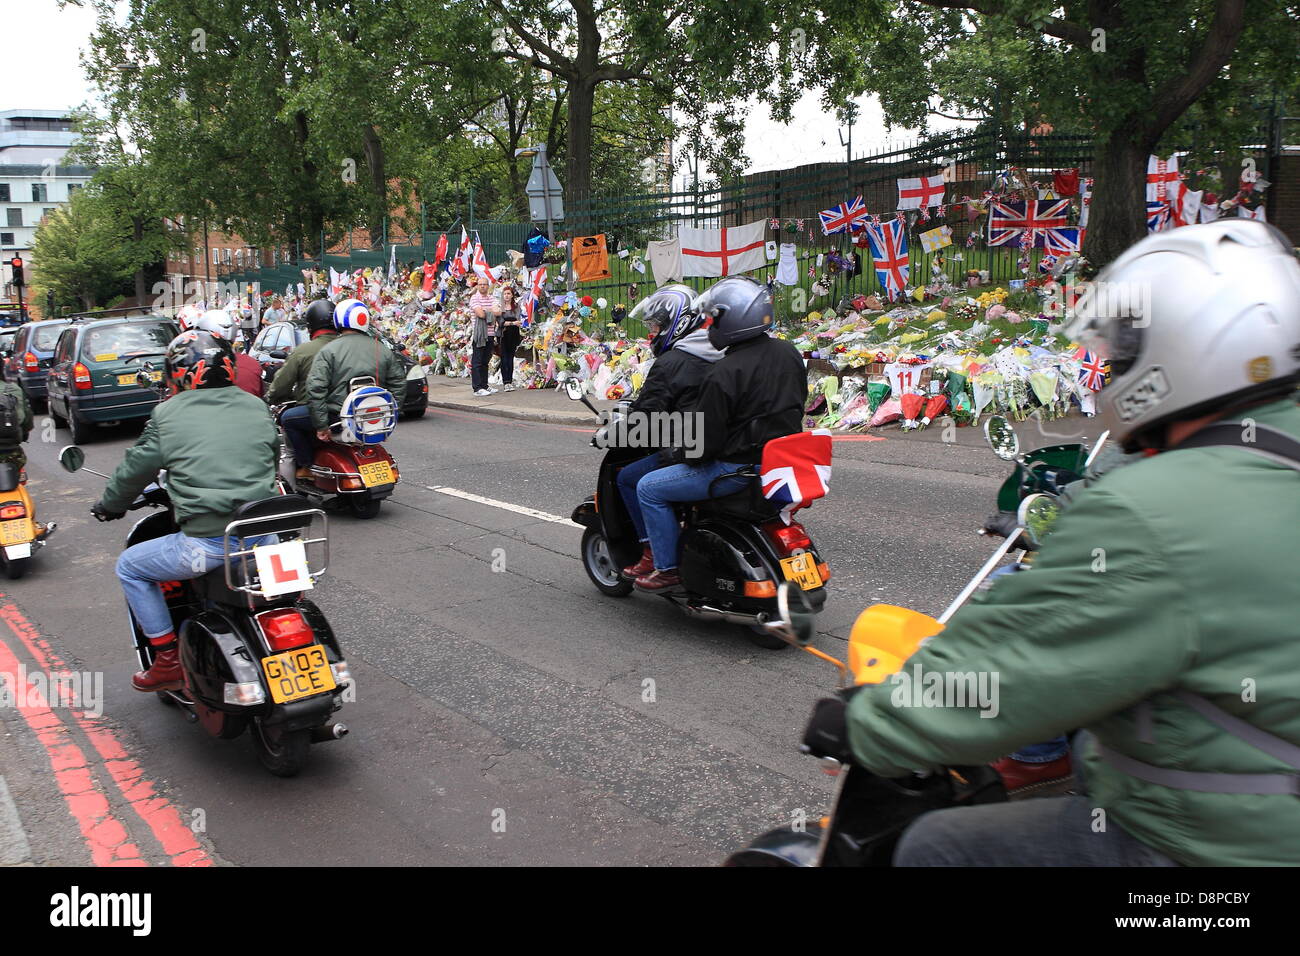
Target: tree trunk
314, 213
582, 100
137, 231
375, 162
1117, 210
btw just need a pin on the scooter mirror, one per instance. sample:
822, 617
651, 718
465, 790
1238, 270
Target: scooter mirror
1002, 438
796, 615
573, 388
71, 458
1036, 517
1098, 445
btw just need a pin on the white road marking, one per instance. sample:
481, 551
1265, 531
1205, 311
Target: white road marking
503, 505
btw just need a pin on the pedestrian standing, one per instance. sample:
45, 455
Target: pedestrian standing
483, 337
510, 335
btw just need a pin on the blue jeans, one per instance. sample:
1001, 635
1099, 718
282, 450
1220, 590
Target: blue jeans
659, 490
1048, 831
173, 557
627, 482
300, 433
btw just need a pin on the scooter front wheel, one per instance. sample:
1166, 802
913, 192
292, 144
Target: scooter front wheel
283, 752
601, 566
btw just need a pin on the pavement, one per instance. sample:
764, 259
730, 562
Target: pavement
506, 713
546, 405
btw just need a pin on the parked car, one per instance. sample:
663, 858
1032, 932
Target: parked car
33, 353
274, 343
7, 336
92, 380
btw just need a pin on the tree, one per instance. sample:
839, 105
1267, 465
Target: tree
81, 252
1127, 71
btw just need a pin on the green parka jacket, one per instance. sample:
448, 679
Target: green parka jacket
351, 355
1177, 572
290, 382
219, 446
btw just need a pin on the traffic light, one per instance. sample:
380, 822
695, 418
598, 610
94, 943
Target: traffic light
17, 263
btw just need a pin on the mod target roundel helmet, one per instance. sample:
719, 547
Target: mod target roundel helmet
197, 359
350, 314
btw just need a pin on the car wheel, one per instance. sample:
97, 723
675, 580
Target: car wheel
416, 413
81, 431
59, 420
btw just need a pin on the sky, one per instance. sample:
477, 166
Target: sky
42, 71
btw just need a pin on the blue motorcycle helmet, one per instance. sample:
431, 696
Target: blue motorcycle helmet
670, 313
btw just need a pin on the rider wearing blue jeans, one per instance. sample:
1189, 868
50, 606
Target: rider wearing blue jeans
219, 447
672, 387
755, 393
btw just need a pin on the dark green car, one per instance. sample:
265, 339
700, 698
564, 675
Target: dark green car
92, 380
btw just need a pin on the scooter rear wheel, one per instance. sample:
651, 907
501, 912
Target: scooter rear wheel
363, 506
601, 567
15, 568
764, 638
279, 751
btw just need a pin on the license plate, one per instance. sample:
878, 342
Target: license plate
802, 571
19, 551
296, 674
376, 473
130, 379
15, 531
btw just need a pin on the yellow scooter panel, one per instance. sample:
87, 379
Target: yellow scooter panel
883, 637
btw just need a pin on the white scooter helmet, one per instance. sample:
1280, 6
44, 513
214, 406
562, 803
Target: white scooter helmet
1192, 320
219, 322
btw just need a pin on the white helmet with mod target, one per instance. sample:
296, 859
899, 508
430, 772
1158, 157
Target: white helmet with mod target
352, 315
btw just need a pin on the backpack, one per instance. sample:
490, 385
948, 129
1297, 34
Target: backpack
11, 418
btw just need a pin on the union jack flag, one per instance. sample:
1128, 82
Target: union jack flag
796, 469
534, 294
888, 243
1063, 240
1159, 217
1092, 370
846, 217
1008, 220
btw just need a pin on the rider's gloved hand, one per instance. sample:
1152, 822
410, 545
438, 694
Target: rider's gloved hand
827, 733
1002, 523
103, 514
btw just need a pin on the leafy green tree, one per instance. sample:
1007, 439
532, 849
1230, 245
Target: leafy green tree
1129, 72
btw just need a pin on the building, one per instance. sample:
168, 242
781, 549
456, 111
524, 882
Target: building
34, 180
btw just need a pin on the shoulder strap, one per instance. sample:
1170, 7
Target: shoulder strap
1267, 442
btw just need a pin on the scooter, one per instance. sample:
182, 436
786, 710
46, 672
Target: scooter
354, 468
257, 655
870, 813
19, 539
735, 549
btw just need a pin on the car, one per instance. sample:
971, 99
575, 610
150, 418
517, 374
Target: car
33, 353
274, 343
7, 336
92, 380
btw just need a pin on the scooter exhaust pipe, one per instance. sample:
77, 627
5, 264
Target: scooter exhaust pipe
707, 613
320, 735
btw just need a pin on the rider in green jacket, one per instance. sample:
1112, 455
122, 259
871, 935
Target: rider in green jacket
354, 354
1161, 615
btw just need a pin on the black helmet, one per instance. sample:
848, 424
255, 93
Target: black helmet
671, 311
197, 359
320, 315
739, 308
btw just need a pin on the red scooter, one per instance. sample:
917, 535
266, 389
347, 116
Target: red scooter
353, 469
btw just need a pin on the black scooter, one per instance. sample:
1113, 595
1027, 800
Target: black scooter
870, 813
735, 549
255, 654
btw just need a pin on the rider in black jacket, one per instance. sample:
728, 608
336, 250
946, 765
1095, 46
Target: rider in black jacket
684, 357
754, 394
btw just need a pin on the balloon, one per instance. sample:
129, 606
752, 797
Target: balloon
601, 302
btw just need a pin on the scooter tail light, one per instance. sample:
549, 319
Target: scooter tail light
81, 376
788, 537
351, 484
286, 629
760, 589
12, 509
244, 695
31, 363
824, 570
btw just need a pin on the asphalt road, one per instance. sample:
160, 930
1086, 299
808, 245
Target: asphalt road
509, 716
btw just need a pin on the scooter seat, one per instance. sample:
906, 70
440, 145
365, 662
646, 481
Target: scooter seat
282, 514
746, 504
212, 587
10, 476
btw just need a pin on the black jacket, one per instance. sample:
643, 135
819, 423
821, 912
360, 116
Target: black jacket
755, 393
673, 384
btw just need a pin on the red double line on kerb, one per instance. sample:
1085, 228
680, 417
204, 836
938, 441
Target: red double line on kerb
105, 836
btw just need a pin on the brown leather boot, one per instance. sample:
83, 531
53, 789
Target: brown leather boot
165, 674
642, 567
659, 581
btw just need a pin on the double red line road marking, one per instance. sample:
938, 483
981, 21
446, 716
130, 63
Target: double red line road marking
81, 777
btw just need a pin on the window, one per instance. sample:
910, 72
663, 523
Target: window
216, 257
6, 238
239, 258
46, 337
39, 193
225, 256
4, 193
72, 188
46, 211
15, 215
